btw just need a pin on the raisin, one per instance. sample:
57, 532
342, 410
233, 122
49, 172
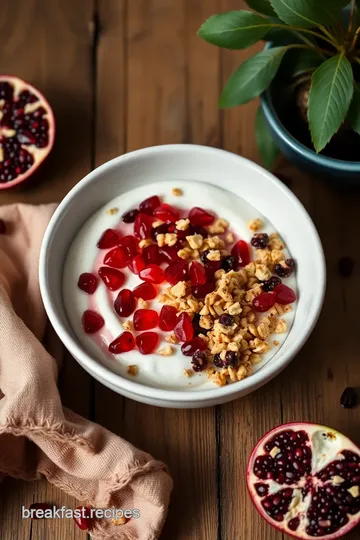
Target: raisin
226, 319
270, 284
285, 268
260, 240
229, 263
199, 361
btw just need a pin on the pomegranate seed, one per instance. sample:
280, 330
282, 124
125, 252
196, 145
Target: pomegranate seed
151, 254
88, 283
241, 253
146, 291
116, 258
125, 303
123, 343
264, 302
167, 213
284, 295
190, 347
145, 319
202, 290
147, 342
149, 205
161, 229
168, 318
130, 244
143, 225
113, 279
169, 254
176, 272
2, 226
197, 273
129, 217
110, 238
184, 329
82, 517
136, 264
294, 524
92, 322
199, 216
152, 273
39, 506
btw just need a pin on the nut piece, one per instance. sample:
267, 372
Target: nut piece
184, 253
195, 241
142, 303
120, 521
179, 290
255, 224
112, 211
133, 370
229, 239
157, 223
182, 224
128, 325
218, 227
145, 243
166, 351
171, 338
281, 327
188, 372
177, 192
214, 255
170, 239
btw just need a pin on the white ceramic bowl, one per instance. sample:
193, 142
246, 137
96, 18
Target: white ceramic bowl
203, 164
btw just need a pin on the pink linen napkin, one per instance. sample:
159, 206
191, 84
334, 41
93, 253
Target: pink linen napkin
40, 437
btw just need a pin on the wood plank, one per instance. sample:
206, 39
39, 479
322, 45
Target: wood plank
170, 97
49, 44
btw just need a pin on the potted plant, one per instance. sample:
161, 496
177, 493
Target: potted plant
308, 77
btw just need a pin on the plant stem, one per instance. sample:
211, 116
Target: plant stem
353, 43
357, 59
312, 32
351, 17
330, 39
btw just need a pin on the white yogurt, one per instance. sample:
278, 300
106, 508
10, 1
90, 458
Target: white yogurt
84, 256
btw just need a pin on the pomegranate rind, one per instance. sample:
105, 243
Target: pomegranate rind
252, 479
24, 85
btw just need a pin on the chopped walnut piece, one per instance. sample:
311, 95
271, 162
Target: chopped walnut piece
229, 239
157, 223
275, 242
143, 304
112, 211
182, 224
277, 256
184, 253
241, 373
218, 227
262, 272
171, 338
281, 327
166, 351
255, 224
133, 370
170, 239
188, 372
177, 192
160, 239
235, 309
276, 342
255, 358
128, 325
218, 378
195, 241
214, 255
215, 242
179, 290
206, 322
145, 243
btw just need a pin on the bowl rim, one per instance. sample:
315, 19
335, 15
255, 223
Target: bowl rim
265, 374
298, 147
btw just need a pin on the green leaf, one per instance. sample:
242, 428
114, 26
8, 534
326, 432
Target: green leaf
262, 6
353, 116
329, 99
252, 77
234, 29
308, 13
264, 140
302, 61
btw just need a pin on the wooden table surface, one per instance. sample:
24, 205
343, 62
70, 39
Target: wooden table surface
125, 74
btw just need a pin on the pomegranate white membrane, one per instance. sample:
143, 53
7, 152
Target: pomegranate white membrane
84, 256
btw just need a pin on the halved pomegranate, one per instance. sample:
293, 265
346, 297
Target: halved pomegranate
304, 479
27, 130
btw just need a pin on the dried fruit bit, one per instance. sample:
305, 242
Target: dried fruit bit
255, 224
2, 226
177, 192
88, 283
184, 329
230, 359
136, 264
41, 507
167, 213
260, 240
152, 274
228, 263
92, 322
284, 268
145, 319
124, 304
112, 211
147, 342
149, 205
270, 284
123, 343
190, 347
176, 272
168, 318
199, 361
146, 291
116, 258
284, 295
199, 216
132, 370
226, 319
82, 517
129, 217
197, 274
349, 398
113, 279
109, 239
264, 302
241, 253
143, 225
166, 351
